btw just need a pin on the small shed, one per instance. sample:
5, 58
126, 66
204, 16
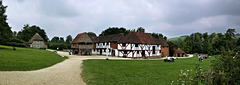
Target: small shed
37, 42
179, 53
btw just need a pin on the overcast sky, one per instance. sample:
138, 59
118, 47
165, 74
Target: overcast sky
169, 17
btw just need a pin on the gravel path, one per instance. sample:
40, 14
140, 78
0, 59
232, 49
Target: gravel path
64, 73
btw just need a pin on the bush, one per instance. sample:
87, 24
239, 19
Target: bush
16, 42
225, 70
61, 46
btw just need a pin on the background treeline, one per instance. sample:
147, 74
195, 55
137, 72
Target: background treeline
214, 43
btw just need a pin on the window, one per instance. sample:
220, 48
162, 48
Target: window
159, 51
124, 44
38, 46
125, 52
107, 43
104, 50
136, 45
137, 52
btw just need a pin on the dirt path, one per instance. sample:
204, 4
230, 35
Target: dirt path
64, 73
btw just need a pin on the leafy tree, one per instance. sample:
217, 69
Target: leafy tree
114, 30
180, 43
28, 31
187, 47
141, 29
172, 47
61, 40
238, 42
69, 39
5, 29
55, 39
230, 33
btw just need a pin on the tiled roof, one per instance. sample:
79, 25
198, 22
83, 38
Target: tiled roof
78, 37
36, 37
162, 42
179, 51
109, 38
139, 38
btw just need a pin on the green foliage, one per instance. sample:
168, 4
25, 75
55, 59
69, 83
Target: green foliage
58, 42
238, 42
28, 31
141, 29
172, 47
61, 46
5, 29
55, 39
17, 42
208, 44
187, 46
225, 71
24, 59
114, 30
69, 39
158, 35
230, 33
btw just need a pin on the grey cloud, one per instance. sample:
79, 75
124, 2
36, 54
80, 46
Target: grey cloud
171, 17
57, 8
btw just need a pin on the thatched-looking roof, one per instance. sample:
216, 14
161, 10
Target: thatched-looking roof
179, 51
84, 37
162, 42
36, 37
138, 38
109, 38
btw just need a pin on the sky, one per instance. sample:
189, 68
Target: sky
172, 18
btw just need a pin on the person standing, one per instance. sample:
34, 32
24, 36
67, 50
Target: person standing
199, 58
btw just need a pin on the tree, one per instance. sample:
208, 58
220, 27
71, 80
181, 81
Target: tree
114, 30
230, 33
5, 29
55, 39
187, 47
172, 47
141, 29
69, 39
238, 42
61, 40
28, 31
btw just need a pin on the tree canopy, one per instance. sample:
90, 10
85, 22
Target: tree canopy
5, 29
28, 31
114, 30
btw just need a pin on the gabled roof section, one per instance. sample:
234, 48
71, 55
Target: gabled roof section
162, 42
92, 36
36, 37
78, 37
84, 37
138, 38
179, 51
109, 38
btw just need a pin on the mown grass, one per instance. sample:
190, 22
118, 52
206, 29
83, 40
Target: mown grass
24, 59
137, 72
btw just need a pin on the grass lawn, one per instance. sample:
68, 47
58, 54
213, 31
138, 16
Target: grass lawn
24, 59
137, 72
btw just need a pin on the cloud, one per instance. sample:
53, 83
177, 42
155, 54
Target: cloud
169, 17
